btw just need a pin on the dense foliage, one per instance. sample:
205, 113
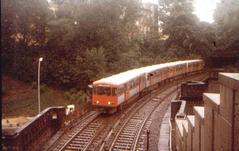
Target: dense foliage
185, 31
82, 42
227, 25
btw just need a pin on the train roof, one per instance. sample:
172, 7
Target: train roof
123, 77
120, 78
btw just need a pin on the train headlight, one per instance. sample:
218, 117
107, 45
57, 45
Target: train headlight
97, 102
109, 103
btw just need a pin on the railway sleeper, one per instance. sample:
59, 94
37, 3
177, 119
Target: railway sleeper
75, 146
126, 138
122, 141
85, 135
72, 148
83, 138
130, 129
80, 141
128, 133
121, 146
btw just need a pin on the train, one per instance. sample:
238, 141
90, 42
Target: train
112, 92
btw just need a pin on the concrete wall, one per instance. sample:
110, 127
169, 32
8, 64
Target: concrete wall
198, 135
215, 126
191, 125
229, 108
212, 101
36, 132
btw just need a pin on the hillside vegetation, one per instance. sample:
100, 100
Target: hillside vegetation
20, 99
82, 42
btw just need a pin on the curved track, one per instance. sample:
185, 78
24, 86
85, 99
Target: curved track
77, 128
84, 138
123, 131
127, 137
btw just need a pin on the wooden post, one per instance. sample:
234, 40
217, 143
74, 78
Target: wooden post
148, 140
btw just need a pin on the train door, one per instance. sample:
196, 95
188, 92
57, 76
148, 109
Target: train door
162, 74
151, 79
141, 83
148, 80
174, 71
157, 79
170, 72
166, 73
127, 89
89, 92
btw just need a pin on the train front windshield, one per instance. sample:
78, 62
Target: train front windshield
106, 91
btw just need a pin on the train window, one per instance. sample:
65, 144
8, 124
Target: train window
149, 76
137, 82
120, 90
104, 91
134, 83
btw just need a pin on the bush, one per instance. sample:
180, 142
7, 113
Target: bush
75, 97
34, 85
43, 88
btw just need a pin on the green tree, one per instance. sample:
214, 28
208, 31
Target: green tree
87, 41
227, 25
185, 32
23, 36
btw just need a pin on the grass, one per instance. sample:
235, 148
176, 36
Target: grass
29, 106
21, 100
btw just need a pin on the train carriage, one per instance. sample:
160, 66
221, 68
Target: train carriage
113, 91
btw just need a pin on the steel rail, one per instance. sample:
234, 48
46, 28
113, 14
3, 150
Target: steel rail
144, 119
84, 124
126, 116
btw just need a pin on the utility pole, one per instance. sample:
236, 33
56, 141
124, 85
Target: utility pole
39, 99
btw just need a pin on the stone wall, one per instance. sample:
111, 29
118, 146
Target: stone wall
36, 132
215, 126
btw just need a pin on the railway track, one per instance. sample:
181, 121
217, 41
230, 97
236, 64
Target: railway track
84, 138
73, 131
130, 133
87, 135
127, 136
123, 131
141, 140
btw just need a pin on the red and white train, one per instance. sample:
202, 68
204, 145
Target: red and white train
111, 92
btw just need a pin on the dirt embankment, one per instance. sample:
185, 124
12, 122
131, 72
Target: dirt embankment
20, 102
15, 90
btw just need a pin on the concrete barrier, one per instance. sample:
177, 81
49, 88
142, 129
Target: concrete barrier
229, 112
191, 125
198, 135
36, 132
185, 135
212, 102
179, 134
214, 127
